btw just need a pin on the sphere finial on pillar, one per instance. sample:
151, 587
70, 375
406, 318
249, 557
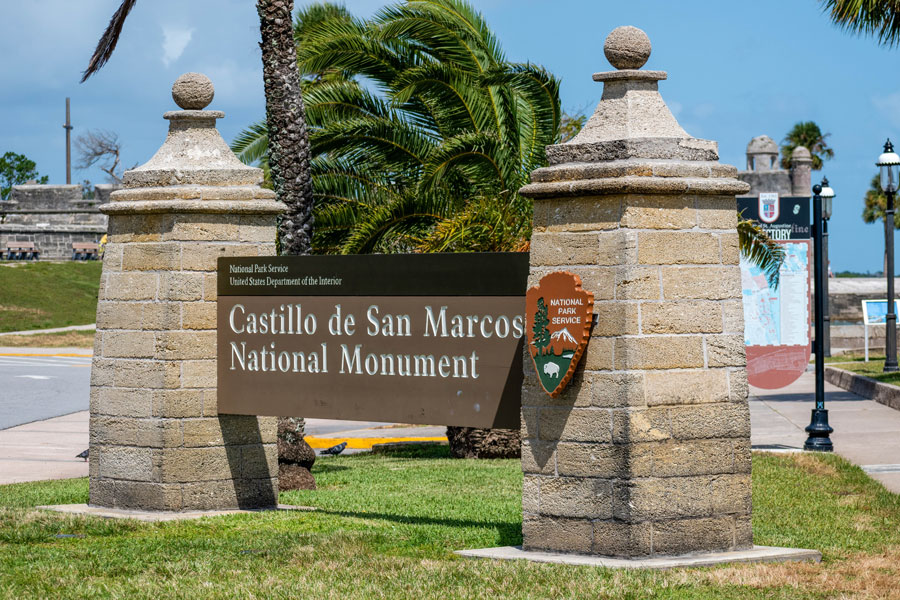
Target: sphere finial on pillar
193, 91
627, 47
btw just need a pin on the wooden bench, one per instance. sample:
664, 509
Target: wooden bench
85, 251
21, 251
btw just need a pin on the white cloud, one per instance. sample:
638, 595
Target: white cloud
175, 40
704, 110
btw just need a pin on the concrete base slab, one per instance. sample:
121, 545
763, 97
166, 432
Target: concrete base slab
154, 516
755, 554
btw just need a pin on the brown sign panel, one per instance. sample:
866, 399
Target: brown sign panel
559, 315
352, 337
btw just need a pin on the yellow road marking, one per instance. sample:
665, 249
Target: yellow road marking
366, 443
63, 354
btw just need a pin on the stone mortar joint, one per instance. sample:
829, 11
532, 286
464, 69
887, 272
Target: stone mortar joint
627, 47
193, 91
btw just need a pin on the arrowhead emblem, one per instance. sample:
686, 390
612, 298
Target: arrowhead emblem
559, 314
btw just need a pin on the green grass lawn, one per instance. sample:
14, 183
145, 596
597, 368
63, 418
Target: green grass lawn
874, 369
40, 295
386, 527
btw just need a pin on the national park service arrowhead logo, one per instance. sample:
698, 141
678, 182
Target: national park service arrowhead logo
558, 313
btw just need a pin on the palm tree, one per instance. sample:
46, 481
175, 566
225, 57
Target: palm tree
875, 205
288, 157
879, 18
808, 134
421, 131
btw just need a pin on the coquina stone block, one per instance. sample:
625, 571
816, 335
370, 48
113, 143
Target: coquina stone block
157, 440
648, 450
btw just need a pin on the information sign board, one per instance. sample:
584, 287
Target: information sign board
424, 338
875, 313
777, 320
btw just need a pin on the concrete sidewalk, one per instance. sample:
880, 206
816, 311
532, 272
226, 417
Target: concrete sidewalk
865, 432
51, 330
44, 449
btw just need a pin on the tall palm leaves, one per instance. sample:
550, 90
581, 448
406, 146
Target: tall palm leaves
879, 18
419, 127
808, 134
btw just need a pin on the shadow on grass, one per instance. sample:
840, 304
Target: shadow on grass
510, 533
320, 467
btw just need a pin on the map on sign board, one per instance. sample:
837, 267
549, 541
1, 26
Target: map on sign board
780, 316
875, 311
777, 321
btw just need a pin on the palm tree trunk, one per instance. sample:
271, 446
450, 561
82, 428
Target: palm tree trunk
472, 442
286, 120
289, 163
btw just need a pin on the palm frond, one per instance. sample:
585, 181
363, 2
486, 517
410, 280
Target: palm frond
108, 40
251, 144
479, 156
877, 18
760, 250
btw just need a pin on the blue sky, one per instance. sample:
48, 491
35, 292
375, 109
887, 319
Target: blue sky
736, 70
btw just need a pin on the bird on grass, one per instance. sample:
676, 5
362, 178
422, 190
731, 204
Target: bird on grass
83, 455
335, 450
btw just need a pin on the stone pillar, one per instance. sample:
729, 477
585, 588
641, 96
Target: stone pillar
801, 172
157, 442
647, 452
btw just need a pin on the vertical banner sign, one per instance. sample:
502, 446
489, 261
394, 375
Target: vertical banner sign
777, 322
416, 338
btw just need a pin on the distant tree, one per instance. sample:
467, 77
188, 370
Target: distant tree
16, 169
875, 204
878, 18
102, 148
570, 125
806, 133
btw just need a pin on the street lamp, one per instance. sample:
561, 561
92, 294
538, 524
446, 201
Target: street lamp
818, 428
889, 164
827, 198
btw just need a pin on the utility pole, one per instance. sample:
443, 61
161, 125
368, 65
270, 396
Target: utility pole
68, 128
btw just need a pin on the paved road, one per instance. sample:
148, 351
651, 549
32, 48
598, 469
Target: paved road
38, 384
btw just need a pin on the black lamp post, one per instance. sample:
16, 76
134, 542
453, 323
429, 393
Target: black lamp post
827, 198
818, 428
889, 164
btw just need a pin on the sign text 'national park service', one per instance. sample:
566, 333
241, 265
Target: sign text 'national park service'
424, 338
559, 314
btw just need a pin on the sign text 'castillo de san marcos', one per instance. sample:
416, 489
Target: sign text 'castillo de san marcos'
409, 338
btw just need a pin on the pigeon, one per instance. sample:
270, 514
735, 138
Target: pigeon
84, 455
335, 449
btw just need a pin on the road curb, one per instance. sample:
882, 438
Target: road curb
365, 443
883, 393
